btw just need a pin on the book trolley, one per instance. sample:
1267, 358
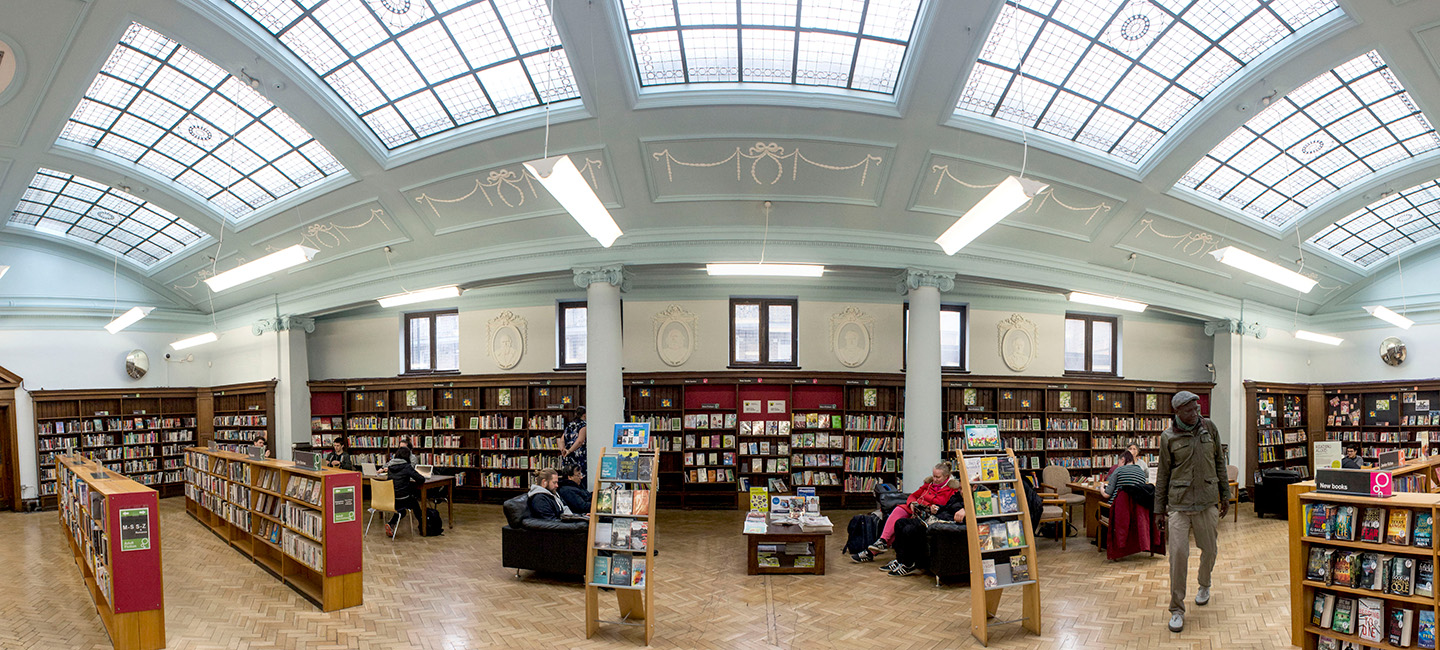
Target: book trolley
114, 526
981, 479
300, 524
622, 534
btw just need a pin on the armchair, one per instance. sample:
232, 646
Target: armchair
541, 544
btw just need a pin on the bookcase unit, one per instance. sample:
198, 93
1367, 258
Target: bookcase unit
139, 433
1383, 416
633, 593
491, 431
1083, 426
240, 412
114, 534
986, 588
1277, 427
299, 524
1305, 632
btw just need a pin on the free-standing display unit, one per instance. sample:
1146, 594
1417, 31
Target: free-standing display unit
1002, 545
300, 524
114, 526
622, 539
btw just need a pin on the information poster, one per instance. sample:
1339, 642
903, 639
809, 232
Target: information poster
342, 504
1328, 454
776, 406
632, 435
750, 406
134, 529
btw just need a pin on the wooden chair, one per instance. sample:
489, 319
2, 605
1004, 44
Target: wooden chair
382, 500
1054, 510
1233, 473
1055, 479
1102, 532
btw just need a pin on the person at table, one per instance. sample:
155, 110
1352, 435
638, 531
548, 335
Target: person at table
573, 441
1352, 458
403, 443
1128, 473
407, 483
572, 489
339, 455
936, 491
544, 502
262, 443
1139, 462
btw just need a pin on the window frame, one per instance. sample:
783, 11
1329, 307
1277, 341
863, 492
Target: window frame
1090, 320
765, 303
434, 347
959, 307
561, 362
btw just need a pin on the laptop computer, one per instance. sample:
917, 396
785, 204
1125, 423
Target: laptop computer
425, 470
368, 469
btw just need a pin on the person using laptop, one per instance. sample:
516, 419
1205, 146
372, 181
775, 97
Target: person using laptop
339, 456
262, 443
407, 487
403, 443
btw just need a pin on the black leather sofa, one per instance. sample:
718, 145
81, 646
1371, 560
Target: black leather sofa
948, 545
541, 545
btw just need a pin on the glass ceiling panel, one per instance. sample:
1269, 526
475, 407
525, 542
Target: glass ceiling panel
1117, 75
103, 217
854, 44
166, 108
414, 68
1337, 129
1385, 227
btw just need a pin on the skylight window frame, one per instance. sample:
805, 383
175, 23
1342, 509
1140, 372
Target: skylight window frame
95, 247
1224, 96
776, 94
1412, 165
93, 155
1313, 244
254, 35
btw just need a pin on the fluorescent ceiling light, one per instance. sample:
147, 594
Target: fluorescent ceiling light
1383, 313
277, 261
1318, 338
559, 175
779, 270
128, 318
999, 203
423, 295
1263, 268
3, 269
1107, 301
208, 337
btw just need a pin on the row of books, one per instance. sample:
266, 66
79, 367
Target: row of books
717, 475
862, 444
658, 423
1281, 437
1368, 619
305, 489
1000, 535
874, 423
764, 428
988, 468
714, 441
241, 420
1376, 525
303, 550
1273, 454
726, 458
618, 569
239, 435
149, 437
711, 421
816, 420
446, 459
1014, 570
304, 519
135, 466
269, 505
1000, 502
817, 440
1399, 575
268, 531
818, 460
97, 425
240, 472
815, 478
618, 499
1377, 436
1112, 424
1064, 442
622, 534
157, 478
888, 464
764, 448
1121, 442
1431, 419
771, 465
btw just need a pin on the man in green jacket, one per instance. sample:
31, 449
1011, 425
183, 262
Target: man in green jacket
1192, 493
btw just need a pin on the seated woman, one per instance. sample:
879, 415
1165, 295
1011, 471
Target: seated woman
407, 487
1128, 473
339, 456
936, 491
912, 553
544, 502
572, 490
1139, 461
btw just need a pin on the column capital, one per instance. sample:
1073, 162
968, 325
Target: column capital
612, 274
914, 278
283, 323
1233, 326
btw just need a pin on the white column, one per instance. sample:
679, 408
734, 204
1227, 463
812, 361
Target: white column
604, 401
292, 372
923, 443
1227, 399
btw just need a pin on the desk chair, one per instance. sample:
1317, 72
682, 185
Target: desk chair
1054, 479
1054, 510
382, 500
1233, 473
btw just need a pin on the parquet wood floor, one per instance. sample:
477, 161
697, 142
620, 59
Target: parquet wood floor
450, 593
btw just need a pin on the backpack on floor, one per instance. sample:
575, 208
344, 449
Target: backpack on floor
433, 525
864, 530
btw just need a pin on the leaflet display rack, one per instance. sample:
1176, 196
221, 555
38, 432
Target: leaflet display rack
987, 588
635, 594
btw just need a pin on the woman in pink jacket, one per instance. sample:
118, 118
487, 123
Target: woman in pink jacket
931, 496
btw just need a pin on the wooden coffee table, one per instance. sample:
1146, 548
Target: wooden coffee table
783, 534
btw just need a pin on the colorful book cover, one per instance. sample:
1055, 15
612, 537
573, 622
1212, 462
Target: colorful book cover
1372, 523
1343, 526
605, 501
1007, 468
629, 468
984, 503
1369, 619
999, 537
637, 572
646, 468
987, 567
639, 534
1006, 500
1345, 569
640, 504
972, 468
609, 467
1425, 577
1343, 621
1369, 564
1424, 529
601, 572
982, 533
1399, 627
1019, 567
620, 569
1398, 531
1315, 569
1425, 630
620, 533
1315, 520
1402, 576
989, 469
1013, 536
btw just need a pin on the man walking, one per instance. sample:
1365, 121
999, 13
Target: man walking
1192, 493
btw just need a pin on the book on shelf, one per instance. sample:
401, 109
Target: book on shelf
988, 570
1424, 529
1019, 567
624, 501
639, 534
602, 533
605, 501
1344, 619
609, 467
1322, 609
620, 533
1400, 626
982, 533
620, 569
1398, 532
1014, 537
1370, 619
1372, 523
601, 570
637, 572
999, 535
1402, 576
984, 504
1425, 577
1425, 629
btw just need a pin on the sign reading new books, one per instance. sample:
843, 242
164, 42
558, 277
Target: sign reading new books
632, 435
982, 437
1361, 482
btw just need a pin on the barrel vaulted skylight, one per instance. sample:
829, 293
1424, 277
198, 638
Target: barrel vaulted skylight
1338, 128
413, 68
854, 44
168, 109
103, 217
1385, 227
1118, 75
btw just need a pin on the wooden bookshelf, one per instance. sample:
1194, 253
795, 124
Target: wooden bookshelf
114, 533
1277, 427
139, 433
301, 525
634, 594
491, 431
986, 589
1305, 633
1383, 416
240, 413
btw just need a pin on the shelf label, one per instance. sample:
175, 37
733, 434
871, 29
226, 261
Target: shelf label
342, 503
134, 529
1359, 482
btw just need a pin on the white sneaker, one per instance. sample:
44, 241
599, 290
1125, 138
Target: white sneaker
1177, 622
1202, 597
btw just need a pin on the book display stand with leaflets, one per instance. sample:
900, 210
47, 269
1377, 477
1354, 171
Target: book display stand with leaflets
300, 524
1362, 569
622, 539
114, 526
1002, 549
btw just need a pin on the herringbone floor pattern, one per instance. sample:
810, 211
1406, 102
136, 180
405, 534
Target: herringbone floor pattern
450, 593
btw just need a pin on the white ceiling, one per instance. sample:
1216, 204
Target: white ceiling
861, 180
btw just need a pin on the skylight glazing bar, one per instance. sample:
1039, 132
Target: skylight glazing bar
1384, 228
